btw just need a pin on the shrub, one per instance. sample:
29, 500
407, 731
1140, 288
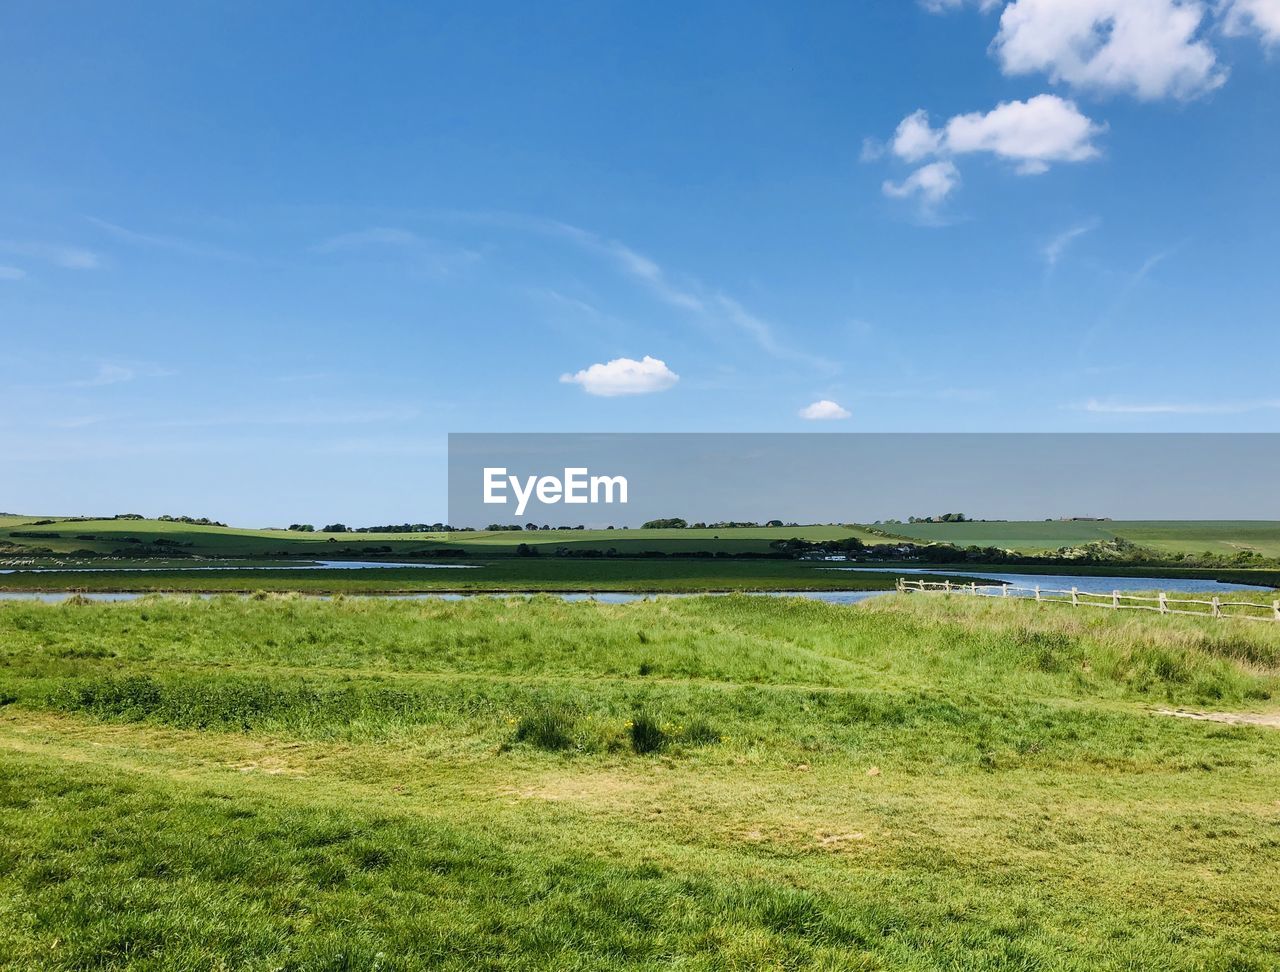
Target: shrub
700, 733
546, 728
646, 735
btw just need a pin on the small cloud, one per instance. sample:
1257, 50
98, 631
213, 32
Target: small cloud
872, 150
624, 376
12, 273
1030, 134
824, 410
932, 183
915, 138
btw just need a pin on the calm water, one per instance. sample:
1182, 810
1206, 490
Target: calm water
1089, 585
827, 597
316, 565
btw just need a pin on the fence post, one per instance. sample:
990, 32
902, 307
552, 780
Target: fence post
1004, 592
1217, 607
1075, 597
1115, 599
1037, 592
973, 587
1164, 603
947, 585
1275, 607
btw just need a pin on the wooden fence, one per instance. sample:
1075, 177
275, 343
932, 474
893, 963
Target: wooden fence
1161, 603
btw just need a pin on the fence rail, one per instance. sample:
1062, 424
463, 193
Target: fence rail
1161, 603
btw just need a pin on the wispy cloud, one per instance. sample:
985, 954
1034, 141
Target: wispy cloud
1112, 407
66, 257
302, 415
118, 372
75, 421
1057, 247
439, 258
684, 293
374, 236
173, 243
12, 273
1131, 283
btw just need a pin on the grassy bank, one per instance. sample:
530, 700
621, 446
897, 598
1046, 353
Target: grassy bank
717, 783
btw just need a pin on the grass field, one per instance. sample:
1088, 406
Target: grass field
704, 783
1168, 536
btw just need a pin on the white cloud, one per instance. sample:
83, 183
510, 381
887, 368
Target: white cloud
624, 376
932, 183
1149, 48
67, 257
1057, 246
1263, 16
12, 273
824, 410
1031, 134
915, 139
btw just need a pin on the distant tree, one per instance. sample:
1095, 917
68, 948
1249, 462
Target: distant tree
302, 528
670, 523
774, 523
524, 550
334, 528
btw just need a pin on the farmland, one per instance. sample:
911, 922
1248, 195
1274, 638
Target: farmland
103, 536
1225, 537
717, 782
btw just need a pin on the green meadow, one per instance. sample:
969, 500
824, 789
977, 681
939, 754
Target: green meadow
706, 783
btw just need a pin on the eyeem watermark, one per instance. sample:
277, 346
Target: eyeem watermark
577, 486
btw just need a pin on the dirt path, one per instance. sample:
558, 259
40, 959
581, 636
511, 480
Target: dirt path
1231, 718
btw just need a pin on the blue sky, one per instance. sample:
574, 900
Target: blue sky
256, 260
